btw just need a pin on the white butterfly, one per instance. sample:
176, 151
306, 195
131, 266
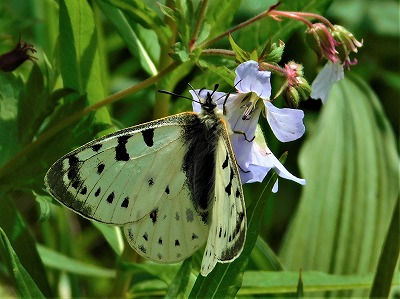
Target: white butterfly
173, 184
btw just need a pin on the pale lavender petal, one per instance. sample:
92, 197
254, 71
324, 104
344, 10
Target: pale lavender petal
329, 75
275, 187
250, 79
287, 124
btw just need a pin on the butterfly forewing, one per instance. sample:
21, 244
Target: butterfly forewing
119, 178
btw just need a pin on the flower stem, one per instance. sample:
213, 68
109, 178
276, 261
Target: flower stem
218, 52
236, 28
62, 124
198, 23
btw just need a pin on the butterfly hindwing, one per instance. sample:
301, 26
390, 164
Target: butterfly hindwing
228, 225
171, 232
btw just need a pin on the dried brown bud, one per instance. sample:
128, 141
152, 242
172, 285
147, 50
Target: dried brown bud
11, 60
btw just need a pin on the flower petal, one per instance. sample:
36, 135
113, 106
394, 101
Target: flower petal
250, 79
287, 124
329, 75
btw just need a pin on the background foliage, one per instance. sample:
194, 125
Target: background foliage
334, 228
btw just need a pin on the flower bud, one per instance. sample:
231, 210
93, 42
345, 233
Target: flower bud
347, 43
11, 60
321, 42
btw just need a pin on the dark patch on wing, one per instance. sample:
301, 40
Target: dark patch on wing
97, 193
189, 215
96, 147
121, 154
83, 190
228, 188
125, 202
225, 164
148, 137
110, 197
237, 194
194, 236
151, 182
100, 168
73, 163
177, 242
167, 190
146, 236
153, 215
160, 241
142, 248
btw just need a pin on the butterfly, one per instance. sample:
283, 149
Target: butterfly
172, 184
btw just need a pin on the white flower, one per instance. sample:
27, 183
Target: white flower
243, 110
329, 75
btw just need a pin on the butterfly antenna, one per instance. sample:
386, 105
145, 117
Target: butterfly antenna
197, 94
174, 94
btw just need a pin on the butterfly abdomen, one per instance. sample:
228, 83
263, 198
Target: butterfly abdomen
199, 163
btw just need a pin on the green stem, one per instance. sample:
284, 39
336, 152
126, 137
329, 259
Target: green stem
161, 105
62, 124
198, 23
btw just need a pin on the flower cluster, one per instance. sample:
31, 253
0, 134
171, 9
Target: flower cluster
243, 110
335, 44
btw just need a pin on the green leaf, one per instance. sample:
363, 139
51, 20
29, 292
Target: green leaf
140, 13
23, 243
265, 282
241, 55
177, 288
55, 260
226, 279
24, 284
350, 162
11, 87
80, 60
129, 33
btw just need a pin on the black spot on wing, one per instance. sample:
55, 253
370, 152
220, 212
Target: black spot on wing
153, 215
177, 216
225, 164
189, 215
167, 190
177, 242
159, 255
121, 154
97, 193
83, 190
160, 241
148, 137
100, 168
96, 147
110, 197
228, 188
220, 232
146, 236
73, 163
194, 236
142, 248
125, 202
151, 182
237, 194
76, 184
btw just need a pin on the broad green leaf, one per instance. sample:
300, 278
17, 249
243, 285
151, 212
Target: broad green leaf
129, 33
265, 282
351, 163
140, 13
177, 288
79, 54
24, 284
23, 244
165, 273
56, 260
225, 280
